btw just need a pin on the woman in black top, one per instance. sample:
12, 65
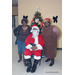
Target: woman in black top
21, 32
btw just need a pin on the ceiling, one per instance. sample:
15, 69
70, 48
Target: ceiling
14, 2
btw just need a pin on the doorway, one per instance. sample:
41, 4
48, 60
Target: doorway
14, 25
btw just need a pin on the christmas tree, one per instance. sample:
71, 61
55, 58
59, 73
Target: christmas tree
37, 19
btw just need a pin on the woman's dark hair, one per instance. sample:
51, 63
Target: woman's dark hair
24, 19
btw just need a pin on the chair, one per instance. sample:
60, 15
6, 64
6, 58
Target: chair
42, 56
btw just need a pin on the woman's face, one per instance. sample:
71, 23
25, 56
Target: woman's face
47, 24
24, 23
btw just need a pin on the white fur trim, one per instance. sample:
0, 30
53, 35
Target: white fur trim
37, 57
27, 57
36, 40
39, 46
29, 46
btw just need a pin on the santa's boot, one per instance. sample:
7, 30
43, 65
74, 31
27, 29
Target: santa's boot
20, 57
34, 66
24, 60
52, 62
29, 65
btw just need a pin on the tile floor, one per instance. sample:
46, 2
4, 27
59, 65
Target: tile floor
43, 69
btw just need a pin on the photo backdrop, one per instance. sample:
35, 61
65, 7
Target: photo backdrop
48, 9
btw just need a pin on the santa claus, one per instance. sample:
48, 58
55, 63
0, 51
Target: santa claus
34, 45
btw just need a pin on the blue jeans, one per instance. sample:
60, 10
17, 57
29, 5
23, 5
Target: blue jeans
21, 47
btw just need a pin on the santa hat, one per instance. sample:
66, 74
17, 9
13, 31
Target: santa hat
46, 19
34, 26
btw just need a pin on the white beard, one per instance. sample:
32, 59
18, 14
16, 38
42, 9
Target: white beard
35, 33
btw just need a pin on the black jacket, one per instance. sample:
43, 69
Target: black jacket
16, 31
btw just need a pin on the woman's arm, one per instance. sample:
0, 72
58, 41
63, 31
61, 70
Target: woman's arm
16, 30
56, 31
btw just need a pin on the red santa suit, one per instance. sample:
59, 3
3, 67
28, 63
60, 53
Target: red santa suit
39, 41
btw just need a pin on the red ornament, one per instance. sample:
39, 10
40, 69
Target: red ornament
39, 13
35, 15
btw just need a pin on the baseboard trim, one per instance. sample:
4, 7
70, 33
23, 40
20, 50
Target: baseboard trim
59, 48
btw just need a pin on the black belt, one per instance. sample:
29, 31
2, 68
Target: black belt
33, 44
